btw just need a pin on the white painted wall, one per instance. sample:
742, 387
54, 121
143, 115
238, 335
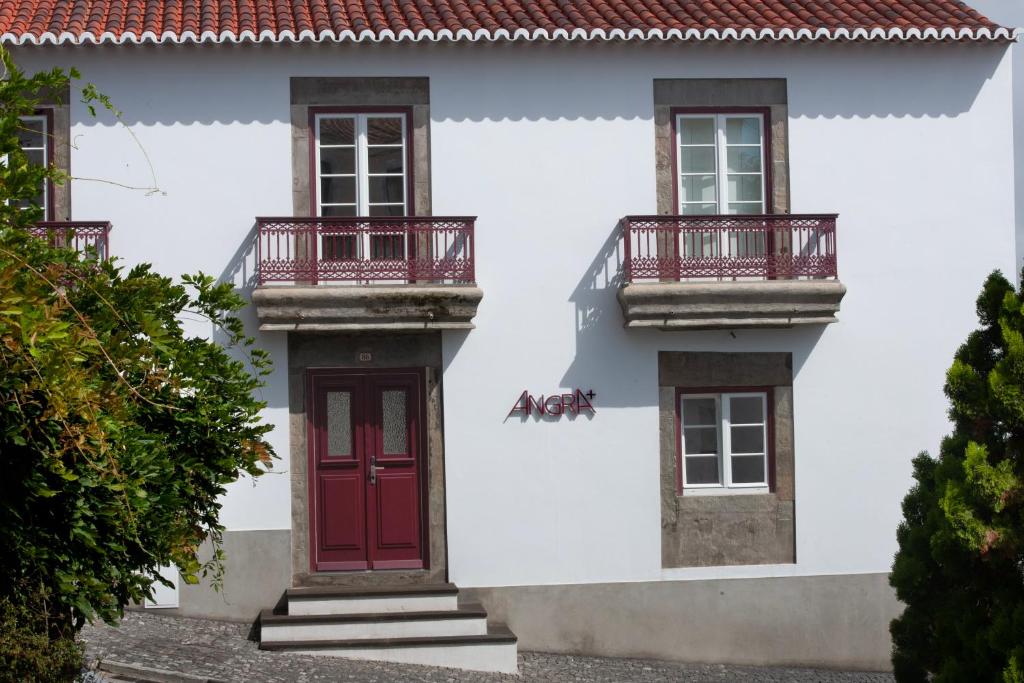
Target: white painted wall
550, 145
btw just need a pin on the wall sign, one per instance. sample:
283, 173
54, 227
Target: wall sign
555, 404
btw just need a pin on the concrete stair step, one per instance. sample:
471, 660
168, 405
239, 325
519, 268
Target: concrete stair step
495, 650
467, 620
337, 600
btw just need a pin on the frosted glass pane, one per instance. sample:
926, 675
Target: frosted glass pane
339, 423
394, 422
697, 131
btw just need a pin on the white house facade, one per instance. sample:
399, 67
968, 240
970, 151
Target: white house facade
629, 338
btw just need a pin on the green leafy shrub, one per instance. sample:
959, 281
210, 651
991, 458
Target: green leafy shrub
32, 648
119, 431
960, 565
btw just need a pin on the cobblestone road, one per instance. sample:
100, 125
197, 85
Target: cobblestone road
222, 650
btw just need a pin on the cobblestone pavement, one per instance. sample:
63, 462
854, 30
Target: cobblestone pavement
222, 650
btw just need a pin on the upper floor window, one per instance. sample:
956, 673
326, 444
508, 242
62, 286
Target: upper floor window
720, 161
34, 138
361, 164
724, 441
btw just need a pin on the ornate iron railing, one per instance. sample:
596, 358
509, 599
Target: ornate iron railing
777, 246
413, 249
82, 236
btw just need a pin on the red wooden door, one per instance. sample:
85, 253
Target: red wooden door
366, 470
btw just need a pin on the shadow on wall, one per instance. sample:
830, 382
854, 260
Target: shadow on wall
537, 81
624, 360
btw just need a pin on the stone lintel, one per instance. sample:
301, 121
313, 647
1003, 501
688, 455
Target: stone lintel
353, 308
731, 305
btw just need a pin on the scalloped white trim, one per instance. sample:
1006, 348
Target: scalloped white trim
520, 34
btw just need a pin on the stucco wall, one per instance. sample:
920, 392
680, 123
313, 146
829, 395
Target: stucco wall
550, 145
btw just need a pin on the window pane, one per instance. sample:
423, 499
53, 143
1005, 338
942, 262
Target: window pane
746, 243
386, 159
337, 131
700, 440
747, 439
697, 131
30, 134
746, 410
384, 131
338, 190
748, 469
700, 244
387, 189
699, 411
702, 471
743, 159
337, 160
387, 209
699, 188
699, 209
697, 159
751, 209
339, 423
338, 248
349, 210
743, 131
745, 188
36, 157
387, 247
393, 422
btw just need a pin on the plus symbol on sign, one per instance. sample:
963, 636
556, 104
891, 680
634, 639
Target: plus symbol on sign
590, 394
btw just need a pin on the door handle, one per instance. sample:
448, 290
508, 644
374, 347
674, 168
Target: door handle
373, 469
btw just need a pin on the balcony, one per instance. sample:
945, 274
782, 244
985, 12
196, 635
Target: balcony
82, 236
730, 272
325, 274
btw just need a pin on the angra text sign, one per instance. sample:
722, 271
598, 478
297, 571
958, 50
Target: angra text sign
556, 404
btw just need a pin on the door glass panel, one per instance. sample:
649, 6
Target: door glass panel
394, 422
339, 423
384, 130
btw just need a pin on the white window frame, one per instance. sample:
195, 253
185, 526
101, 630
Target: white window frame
45, 124
362, 173
721, 160
724, 444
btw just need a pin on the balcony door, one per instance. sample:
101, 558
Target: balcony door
362, 170
366, 470
721, 171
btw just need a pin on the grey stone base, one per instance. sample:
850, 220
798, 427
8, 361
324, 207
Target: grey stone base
257, 571
731, 305
339, 308
824, 621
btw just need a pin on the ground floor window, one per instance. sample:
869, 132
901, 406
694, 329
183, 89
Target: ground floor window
724, 440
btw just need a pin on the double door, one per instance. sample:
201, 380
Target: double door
366, 469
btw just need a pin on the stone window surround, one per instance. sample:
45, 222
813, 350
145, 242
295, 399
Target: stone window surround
719, 530
723, 95
385, 94
57, 109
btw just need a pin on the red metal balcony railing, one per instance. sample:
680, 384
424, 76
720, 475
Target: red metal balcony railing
766, 247
82, 236
413, 249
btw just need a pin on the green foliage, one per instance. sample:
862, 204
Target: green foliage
31, 649
960, 564
119, 430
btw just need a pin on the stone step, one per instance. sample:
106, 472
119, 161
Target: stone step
493, 651
467, 620
337, 600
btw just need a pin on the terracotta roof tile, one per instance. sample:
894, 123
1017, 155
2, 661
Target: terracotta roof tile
183, 21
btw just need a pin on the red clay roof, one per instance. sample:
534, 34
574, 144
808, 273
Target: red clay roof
183, 21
